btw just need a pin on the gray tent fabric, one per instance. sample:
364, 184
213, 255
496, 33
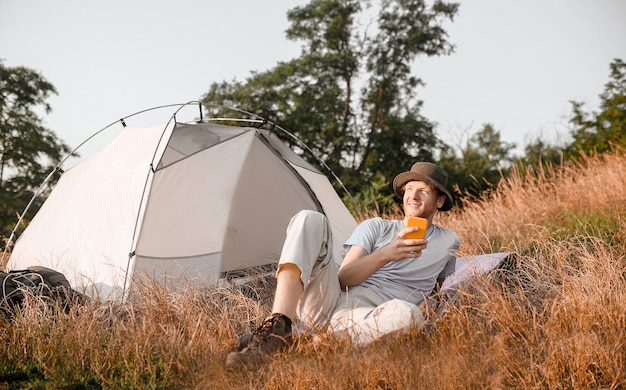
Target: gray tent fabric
181, 204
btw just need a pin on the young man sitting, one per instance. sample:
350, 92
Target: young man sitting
381, 281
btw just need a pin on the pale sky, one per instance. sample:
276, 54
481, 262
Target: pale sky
517, 63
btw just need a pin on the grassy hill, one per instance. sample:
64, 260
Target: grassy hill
553, 318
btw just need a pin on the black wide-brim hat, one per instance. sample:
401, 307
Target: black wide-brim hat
428, 173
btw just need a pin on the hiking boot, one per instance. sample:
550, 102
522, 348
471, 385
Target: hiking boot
273, 335
243, 341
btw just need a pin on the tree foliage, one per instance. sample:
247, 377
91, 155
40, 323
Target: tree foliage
28, 151
604, 130
540, 152
479, 164
351, 94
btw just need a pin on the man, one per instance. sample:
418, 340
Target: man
380, 283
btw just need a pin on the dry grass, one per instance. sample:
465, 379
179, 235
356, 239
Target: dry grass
553, 319
584, 198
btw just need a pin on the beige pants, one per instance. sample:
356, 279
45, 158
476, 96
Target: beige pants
356, 312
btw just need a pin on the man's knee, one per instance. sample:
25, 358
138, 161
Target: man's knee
309, 222
402, 312
308, 216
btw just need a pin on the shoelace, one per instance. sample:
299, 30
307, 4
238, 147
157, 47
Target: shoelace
265, 329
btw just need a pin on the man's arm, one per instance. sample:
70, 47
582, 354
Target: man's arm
358, 265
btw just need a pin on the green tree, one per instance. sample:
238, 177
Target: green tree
479, 164
539, 152
604, 130
28, 151
538, 155
351, 95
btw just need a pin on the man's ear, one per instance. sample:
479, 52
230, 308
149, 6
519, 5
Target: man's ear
441, 199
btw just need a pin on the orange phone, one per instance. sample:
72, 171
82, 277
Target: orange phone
421, 223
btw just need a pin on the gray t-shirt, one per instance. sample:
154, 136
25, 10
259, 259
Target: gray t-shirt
409, 279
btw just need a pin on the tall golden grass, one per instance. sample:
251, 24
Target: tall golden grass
554, 318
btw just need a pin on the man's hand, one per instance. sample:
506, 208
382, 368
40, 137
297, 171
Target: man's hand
402, 248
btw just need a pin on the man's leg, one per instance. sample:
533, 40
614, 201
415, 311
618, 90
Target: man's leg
305, 282
308, 247
289, 288
367, 320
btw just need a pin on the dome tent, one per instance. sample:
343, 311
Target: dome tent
178, 203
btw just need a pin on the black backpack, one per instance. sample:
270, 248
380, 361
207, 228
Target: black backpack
38, 281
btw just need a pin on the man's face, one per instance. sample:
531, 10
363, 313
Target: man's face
421, 200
